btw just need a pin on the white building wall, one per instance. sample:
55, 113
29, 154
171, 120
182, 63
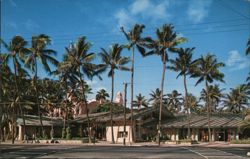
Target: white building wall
118, 129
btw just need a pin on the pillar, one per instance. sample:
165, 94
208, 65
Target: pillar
213, 132
177, 135
196, 133
20, 132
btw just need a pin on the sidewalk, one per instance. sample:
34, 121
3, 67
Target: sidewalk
143, 144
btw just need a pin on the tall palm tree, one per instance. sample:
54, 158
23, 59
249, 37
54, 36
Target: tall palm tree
114, 61
166, 40
79, 60
193, 102
16, 50
6, 81
67, 77
174, 101
208, 71
237, 99
102, 95
140, 101
248, 47
183, 64
134, 38
39, 52
215, 94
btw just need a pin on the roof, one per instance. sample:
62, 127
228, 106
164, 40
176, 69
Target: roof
200, 121
35, 121
119, 115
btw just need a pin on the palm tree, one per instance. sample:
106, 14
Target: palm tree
215, 94
248, 47
80, 61
16, 50
193, 102
140, 101
236, 99
6, 81
39, 52
208, 71
114, 61
183, 64
156, 97
102, 96
174, 101
134, 38
67, 77
166, 40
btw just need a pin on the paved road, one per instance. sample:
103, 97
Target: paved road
80, 151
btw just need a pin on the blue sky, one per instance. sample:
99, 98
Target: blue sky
221, 27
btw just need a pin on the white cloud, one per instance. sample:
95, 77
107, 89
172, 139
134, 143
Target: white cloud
145, 10
139, 6
124, 19
148, 9
236, 62
31, 25
198, 10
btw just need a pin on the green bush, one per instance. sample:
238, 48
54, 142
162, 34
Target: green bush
45, 136
68, 131
245, 141
63, 133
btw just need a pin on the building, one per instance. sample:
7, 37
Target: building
224, 127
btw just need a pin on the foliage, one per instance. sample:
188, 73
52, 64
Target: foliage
174, 101
105, 107
140, 101
63, 133
156, 97
68, 133
237, 99
102, 95
246, 141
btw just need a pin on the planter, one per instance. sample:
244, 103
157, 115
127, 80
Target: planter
180, 142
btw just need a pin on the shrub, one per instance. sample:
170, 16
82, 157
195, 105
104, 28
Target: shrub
68, 131
245, 141
63, 133
45, 136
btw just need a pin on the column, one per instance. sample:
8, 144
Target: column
213, 134
177, 135
196, 134
20, 132
236, 135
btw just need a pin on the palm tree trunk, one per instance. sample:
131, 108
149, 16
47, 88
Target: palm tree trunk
161, 101
132, 94
111, 109
1, 97
17, 95
86, 105
13, 125
37, 100
65, 116
187, 105
208, 112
